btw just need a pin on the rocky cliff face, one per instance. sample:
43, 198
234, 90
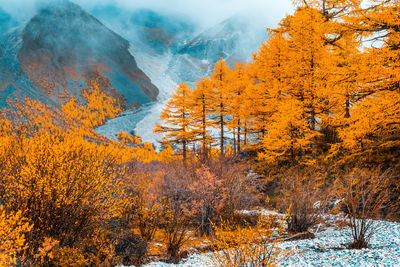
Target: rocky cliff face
62, 48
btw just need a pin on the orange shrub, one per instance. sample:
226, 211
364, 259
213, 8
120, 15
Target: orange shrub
13, 228
248, 246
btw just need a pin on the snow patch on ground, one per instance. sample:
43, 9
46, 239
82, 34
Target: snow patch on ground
126, 121
328, 249
264, 212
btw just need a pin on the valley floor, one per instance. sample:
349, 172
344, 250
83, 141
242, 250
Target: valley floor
328, 249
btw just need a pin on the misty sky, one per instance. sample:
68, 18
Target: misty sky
207, 12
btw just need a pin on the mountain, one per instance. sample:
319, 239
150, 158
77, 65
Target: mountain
193, 51
64, 47
151, 31
161, 32
233, 40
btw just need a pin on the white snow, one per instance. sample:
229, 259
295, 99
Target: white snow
328, 249
155, 67
264, 212
142, 121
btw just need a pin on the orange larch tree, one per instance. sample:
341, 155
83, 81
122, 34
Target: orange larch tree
219, 79
268, 73
176, 116
372, 131
306, 71
202, 101
239, 80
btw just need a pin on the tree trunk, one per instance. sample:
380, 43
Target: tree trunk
347, 113
222, 125
238, 137
184, 148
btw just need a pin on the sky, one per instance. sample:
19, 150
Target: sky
207, 12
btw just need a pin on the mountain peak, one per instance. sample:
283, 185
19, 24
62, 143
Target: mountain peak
63, 46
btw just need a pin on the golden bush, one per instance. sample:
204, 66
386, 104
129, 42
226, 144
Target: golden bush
13, 228
236, 245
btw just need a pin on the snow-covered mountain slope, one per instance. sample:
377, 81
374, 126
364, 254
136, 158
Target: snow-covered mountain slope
142, 120
62, 48
156, 68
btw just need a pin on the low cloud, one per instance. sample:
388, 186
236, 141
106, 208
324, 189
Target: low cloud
206, 12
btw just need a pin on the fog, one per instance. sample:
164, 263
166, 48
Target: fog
205, 12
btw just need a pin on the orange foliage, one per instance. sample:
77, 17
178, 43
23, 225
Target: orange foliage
126, 138
312, 92
97, 107
248, 246
64, 178
13, 228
